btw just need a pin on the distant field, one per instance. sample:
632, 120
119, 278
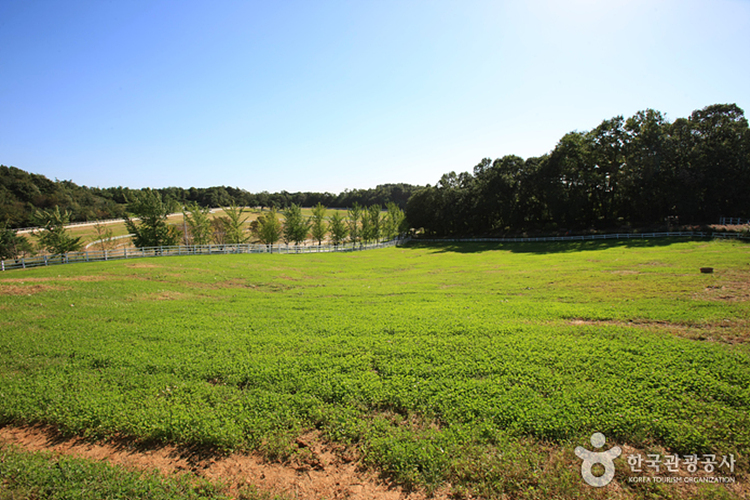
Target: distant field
475, 368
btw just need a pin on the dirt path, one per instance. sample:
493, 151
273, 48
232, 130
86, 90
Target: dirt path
326, 472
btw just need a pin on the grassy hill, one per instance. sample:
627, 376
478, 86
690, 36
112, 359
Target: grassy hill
472, 367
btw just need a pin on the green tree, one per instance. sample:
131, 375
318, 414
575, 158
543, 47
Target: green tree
152, 230
394, 221
371, 223
269, 227
318, 226
295, 225
355, 233
104, 236
338, 228
198, 222
235, 225
12, 244
219, 229
54, 237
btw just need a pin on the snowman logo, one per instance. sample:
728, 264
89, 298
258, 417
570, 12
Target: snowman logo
598, 457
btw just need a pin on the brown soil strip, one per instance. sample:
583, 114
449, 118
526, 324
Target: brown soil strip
728, 331
166, 295
39, 280
27, 289
327, 472
732, 291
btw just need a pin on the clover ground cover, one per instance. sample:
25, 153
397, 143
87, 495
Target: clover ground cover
481, 366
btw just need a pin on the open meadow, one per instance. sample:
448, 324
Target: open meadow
455, 368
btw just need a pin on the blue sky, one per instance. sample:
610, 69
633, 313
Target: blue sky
330, 95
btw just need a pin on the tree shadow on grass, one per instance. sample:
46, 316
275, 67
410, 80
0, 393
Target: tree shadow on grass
546, 247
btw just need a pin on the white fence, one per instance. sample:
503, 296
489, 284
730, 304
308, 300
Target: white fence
134, 253
733, 221
616, 236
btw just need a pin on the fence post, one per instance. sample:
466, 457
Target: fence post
87, 255
105, 254
125, 253
23, 263
66, 258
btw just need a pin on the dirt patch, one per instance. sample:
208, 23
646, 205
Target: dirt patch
726, 331
166, 295
27, 289
731, 291
142, 265
325, 472
59, 278
238, 283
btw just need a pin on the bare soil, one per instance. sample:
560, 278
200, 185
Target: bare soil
727, 331
326, 472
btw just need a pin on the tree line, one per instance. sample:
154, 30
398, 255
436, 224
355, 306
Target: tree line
635, 172
23, 193
146, 218
359, 225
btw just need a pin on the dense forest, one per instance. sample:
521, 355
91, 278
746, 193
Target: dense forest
636, 172
22, 193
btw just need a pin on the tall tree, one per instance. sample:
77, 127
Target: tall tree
296, 227
355, 212
219, 229
421, 211
198, 222
646, 181
720, 158
318, 226
393, 222
235, 225
607, 143
104, 236
338, 228
12, 244
269, 227
152, 229
54, 236
371, 231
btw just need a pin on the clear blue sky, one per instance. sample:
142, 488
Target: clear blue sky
327, 95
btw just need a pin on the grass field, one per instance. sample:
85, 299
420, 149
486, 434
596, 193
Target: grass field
469, 368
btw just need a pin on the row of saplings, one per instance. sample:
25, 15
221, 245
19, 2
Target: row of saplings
147, 221
358, 225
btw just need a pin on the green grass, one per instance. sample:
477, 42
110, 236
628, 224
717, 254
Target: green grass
25, 475
482, 365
